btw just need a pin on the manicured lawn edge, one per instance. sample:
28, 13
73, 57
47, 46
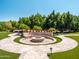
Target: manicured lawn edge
17, 40
71, 54
8, 55
5, 54
4, 35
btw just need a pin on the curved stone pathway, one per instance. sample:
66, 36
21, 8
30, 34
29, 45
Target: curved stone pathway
45, 42
36, 52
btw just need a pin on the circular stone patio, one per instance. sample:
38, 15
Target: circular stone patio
36, 52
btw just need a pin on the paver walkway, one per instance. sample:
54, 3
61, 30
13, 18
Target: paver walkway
36, 52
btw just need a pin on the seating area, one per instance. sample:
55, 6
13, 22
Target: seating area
37, 33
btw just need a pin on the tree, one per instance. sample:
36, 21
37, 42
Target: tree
39, 19
15, 24
52, 18
68, 20
23, 26
75, 23
0, 27
8, 25
60, 24
24, 20
37, 28
32, 23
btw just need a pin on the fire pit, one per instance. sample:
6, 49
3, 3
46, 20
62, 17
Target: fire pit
37, 39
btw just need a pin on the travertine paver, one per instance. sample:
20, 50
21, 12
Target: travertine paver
36, 52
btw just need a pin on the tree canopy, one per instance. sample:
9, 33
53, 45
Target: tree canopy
23, 26
61, 22
37, 28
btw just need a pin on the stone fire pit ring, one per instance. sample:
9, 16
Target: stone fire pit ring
37, 39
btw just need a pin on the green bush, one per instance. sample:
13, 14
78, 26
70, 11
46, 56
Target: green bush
37, 28
23, 26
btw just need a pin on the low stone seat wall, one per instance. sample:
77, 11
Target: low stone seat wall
27, 34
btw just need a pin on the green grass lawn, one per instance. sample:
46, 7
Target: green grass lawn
17, 40
4, 54
58, 40
74, 33
4, 35
72, 54
8, 55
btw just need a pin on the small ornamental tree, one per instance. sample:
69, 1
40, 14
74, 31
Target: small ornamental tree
37, 28
52, 30
8, 25
23, 27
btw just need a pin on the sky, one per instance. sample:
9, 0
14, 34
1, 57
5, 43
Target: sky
13, 9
